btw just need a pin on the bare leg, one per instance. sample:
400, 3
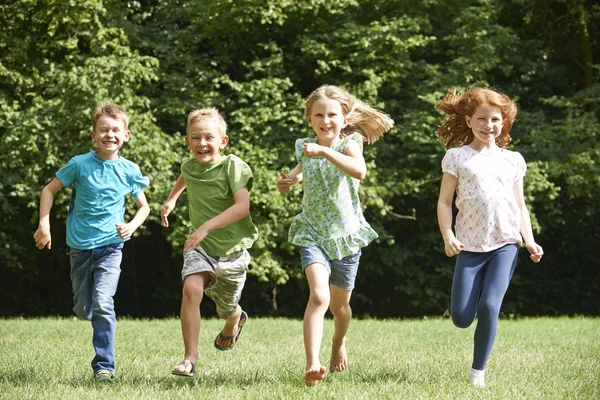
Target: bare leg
342, 314
318, 279
193, 291
231, 327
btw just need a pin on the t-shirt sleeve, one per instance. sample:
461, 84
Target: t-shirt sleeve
450, 163
67, 174
521, 166
138, 181
239, 174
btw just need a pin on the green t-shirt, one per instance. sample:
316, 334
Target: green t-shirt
210, 189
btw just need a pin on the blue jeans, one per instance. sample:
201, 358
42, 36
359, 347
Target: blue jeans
478, 288
94, 277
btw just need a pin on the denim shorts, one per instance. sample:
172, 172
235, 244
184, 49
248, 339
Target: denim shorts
342, 273
228, 276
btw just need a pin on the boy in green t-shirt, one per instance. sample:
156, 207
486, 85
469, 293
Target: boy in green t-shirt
215, 255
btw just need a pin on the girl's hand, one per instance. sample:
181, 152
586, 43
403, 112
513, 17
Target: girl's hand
312, 150
536, 252
452, 246
165, 211
284, 183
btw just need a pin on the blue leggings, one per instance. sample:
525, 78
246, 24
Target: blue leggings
480, 282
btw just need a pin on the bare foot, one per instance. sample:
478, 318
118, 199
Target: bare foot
314, 375
339, 358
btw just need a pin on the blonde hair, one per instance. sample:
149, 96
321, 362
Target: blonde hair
368, 121
113, 111
207, 114
455, 132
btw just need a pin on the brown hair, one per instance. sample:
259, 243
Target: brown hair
112, 110
368, 121
455, 131
207, 114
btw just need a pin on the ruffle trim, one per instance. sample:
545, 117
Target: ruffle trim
301, 234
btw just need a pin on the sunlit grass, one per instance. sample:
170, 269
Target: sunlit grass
392, 359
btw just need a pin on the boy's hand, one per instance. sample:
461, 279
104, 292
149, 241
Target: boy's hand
284, 183
124, 230
453, 246
165, 211
536, 252
42, 238
195, 239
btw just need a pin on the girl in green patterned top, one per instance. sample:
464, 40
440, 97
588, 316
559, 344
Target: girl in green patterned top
331, 228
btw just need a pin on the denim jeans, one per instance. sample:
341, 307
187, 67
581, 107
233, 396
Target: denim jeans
94, 277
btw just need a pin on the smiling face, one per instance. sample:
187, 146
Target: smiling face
205, 141
486, 124
109, 134
327, 120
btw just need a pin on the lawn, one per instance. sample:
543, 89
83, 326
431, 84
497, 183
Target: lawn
541, 358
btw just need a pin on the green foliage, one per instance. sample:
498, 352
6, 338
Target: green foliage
256, 61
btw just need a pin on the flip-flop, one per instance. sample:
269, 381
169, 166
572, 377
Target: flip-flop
186, 364
241, 323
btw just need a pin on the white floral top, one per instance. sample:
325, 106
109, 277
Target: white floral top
331, 216
488, 214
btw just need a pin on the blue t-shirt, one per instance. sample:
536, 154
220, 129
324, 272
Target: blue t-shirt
98, 199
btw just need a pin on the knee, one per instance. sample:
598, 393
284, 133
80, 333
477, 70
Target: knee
103, 307
340, 310
462, 320
192, 294
319, 298
487, 309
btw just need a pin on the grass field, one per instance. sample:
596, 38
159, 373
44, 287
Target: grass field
540, 358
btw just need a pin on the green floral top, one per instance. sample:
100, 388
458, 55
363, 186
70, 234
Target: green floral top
331, 216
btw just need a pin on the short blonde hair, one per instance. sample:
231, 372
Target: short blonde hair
368, 121
113, 111
455, 132
207, 114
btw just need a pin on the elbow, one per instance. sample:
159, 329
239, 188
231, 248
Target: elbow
360, 174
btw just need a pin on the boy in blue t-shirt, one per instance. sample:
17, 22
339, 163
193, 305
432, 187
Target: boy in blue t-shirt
95, 226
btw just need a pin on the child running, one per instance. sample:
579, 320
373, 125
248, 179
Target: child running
492, 217
331, 229
215, 255
95, 227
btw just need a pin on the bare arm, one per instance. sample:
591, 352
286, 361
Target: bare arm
535, 250
237, 211
352, 163
452, 246
42, 235
126, 230
169, 205
286, 181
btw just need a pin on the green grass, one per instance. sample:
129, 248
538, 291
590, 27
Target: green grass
543, 358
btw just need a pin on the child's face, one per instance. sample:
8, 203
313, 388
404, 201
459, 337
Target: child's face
109, 135
205, 141
486, 124
327, 120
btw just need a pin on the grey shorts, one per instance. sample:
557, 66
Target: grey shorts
228, 275
342, 273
